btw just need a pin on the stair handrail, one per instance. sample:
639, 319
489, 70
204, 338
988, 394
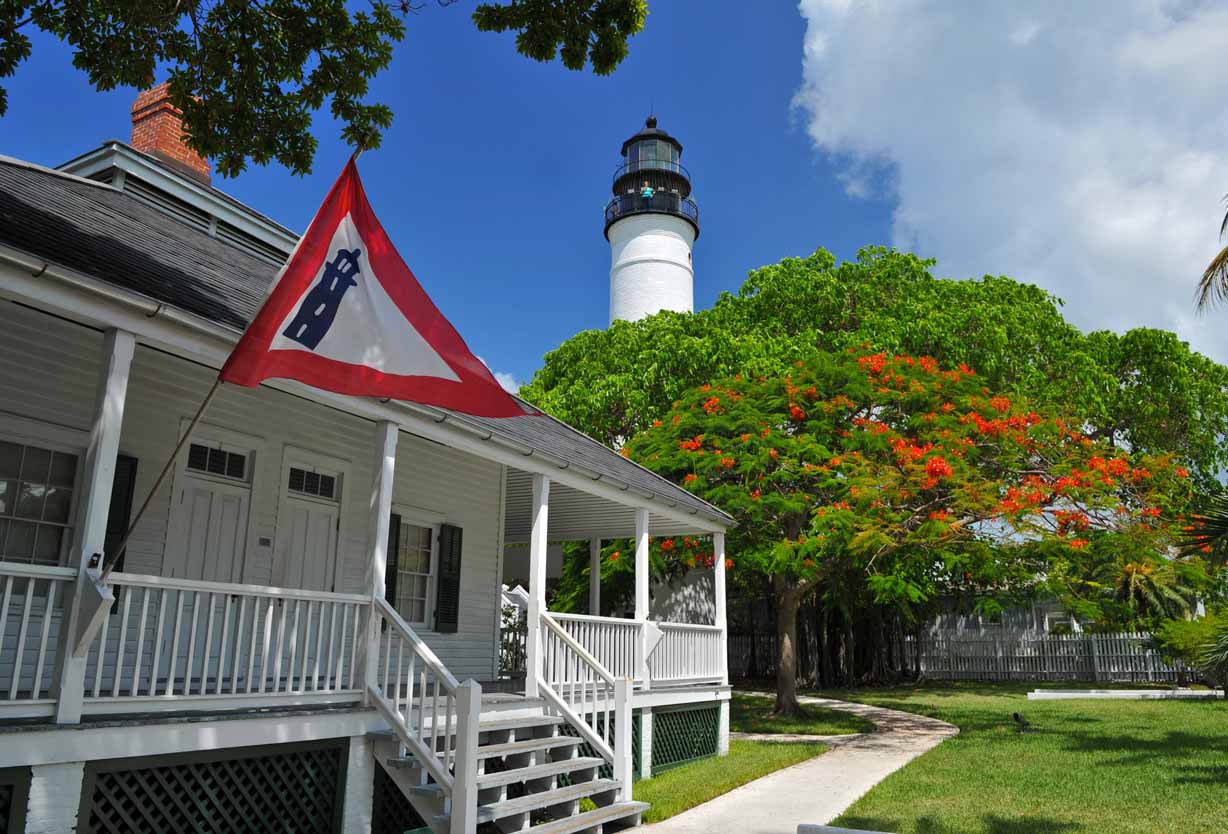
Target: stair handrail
618, 712
415, 738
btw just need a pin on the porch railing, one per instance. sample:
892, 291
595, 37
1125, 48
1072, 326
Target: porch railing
615, 643
185, 639
31, 605
687, 653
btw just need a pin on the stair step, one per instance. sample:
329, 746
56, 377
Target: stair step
485, 725
589, 819
527, 745
543, 799
524, 774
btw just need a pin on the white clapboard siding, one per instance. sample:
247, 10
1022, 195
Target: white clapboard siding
48, 378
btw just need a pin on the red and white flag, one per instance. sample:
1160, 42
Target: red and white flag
345, 314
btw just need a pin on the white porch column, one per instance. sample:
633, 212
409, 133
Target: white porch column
359, 783
118, 347
641, 589
55, 797
379, 513
537, 583
720, 618
594, 577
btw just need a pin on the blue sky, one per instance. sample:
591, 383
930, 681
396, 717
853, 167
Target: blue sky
1075, 146
493, 177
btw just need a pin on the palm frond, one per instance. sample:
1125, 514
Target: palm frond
1208, 526
1213, 287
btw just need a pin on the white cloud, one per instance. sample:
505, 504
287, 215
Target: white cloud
508, 381
1079, 146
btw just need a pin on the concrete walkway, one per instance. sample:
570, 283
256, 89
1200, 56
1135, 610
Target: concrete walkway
816, 791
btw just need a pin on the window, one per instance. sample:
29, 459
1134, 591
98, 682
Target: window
314, 484
36, 493
217, 461
415, 557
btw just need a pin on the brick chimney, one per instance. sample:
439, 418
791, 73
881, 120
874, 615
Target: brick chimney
157, 129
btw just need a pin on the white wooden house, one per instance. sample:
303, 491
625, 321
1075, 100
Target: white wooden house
299, 605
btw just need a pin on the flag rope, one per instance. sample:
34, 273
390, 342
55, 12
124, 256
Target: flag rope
109, 564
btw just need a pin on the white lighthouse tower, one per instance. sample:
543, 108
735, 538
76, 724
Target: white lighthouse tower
652, 224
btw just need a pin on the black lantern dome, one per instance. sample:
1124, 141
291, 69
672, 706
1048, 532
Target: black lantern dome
651, 180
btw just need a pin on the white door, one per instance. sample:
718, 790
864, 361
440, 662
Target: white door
308, 520
208, 530
309, 554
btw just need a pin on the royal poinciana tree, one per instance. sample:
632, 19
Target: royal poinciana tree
887, 480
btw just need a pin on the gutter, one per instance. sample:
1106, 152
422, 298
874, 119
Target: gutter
228, 336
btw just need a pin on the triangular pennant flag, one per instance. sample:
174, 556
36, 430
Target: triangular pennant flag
345, 314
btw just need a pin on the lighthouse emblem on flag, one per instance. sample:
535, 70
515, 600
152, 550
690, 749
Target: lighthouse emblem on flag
320, 305
345, 314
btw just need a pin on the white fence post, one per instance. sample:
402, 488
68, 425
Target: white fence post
622, 738
465, 785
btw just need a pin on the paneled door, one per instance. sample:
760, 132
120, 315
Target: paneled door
310, 557
206, 541
208, 530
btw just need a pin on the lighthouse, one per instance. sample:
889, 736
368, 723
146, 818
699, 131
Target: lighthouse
651, 223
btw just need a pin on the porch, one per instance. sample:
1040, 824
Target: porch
167, 635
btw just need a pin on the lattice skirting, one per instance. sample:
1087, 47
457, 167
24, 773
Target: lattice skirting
683, 734
585, 749
391, 812
284, 788
14, 794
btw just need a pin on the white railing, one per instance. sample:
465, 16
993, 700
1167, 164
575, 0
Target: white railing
615, 643
687, 653
417, 695
31, 608
584, 692
175, 639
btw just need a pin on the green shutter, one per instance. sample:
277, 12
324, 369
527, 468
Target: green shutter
447, 583
394, 549
120, 511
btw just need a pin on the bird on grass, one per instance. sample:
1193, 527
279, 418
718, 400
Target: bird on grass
1023, 724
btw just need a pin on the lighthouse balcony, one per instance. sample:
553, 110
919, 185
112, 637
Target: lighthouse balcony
661, 202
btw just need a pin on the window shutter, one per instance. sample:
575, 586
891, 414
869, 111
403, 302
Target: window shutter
447, 583
120, 511
394, 550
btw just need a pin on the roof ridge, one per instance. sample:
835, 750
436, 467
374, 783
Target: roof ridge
44, 169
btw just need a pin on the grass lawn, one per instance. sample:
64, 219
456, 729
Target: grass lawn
1099, 767
693, 784
752, 714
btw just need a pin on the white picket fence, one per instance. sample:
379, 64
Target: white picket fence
1042, 657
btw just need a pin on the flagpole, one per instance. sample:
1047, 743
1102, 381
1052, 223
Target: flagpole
109, 564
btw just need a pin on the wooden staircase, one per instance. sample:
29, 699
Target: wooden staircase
531, 776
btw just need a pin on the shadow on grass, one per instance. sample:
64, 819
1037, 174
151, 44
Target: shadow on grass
990, 824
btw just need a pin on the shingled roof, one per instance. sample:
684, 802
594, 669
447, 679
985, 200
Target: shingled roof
103, 232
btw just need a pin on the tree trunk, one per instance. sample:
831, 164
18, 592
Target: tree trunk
786, 648
850, 654
825, 648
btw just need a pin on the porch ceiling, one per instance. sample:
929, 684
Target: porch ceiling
576, 515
